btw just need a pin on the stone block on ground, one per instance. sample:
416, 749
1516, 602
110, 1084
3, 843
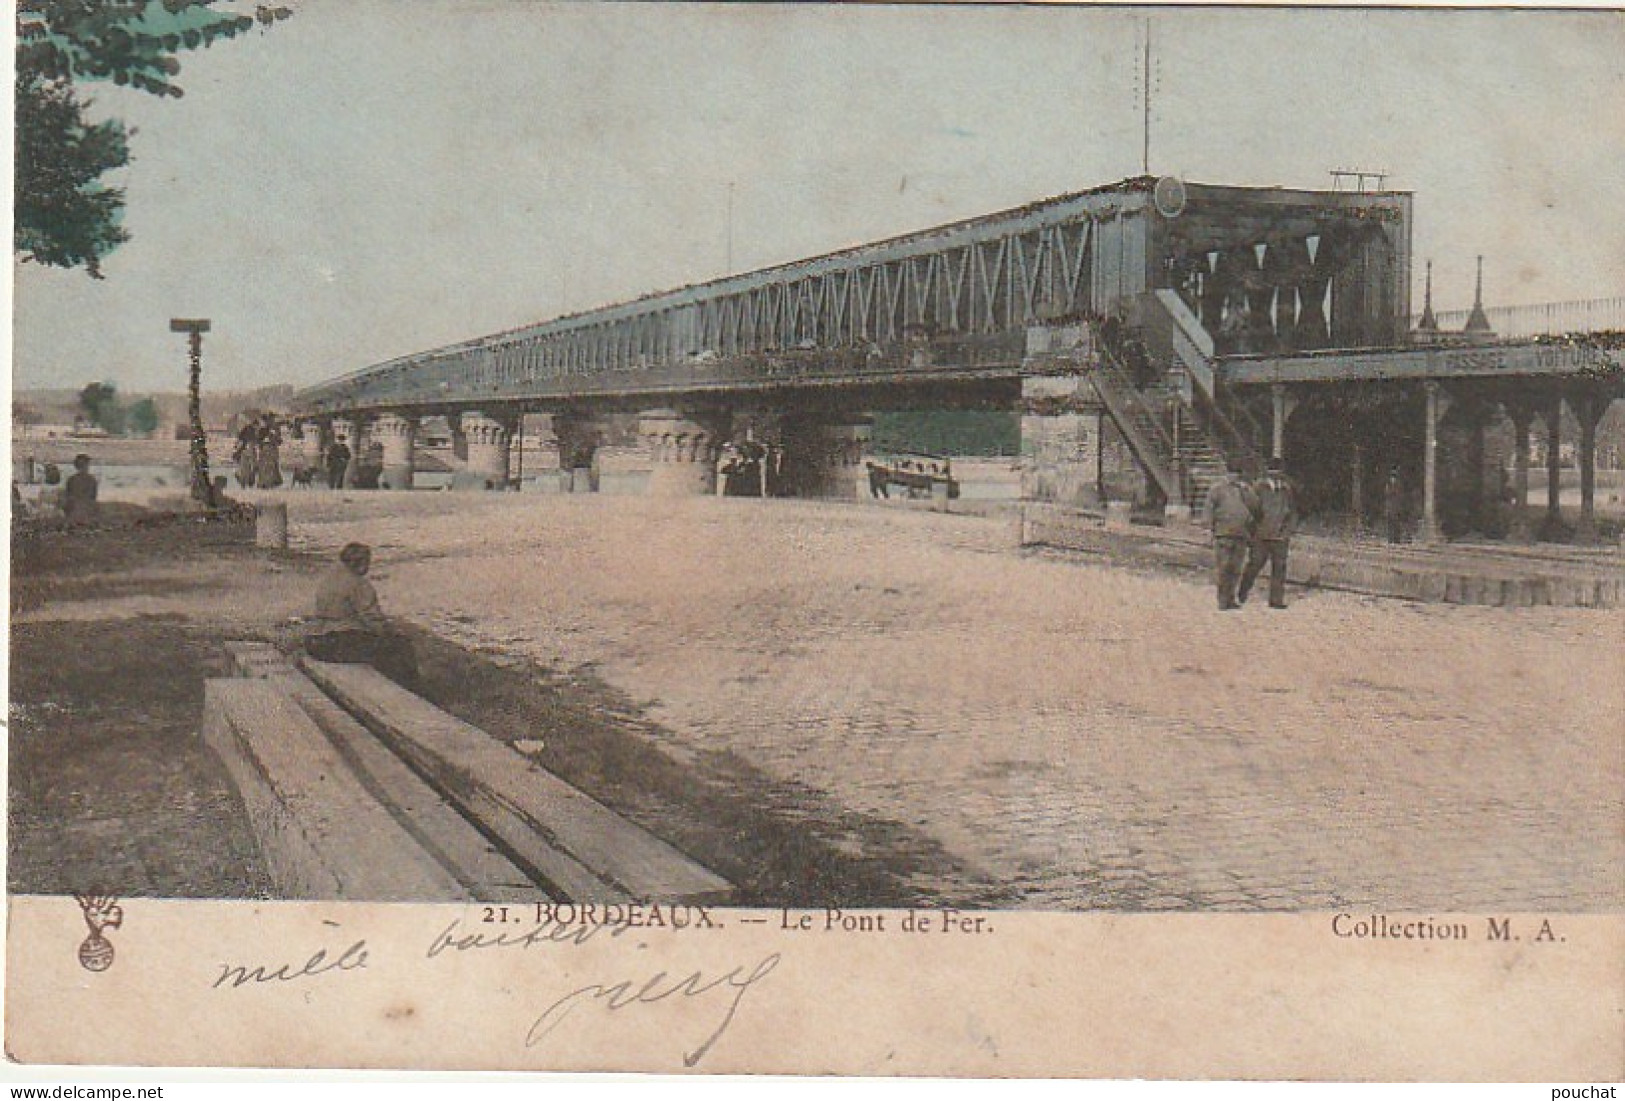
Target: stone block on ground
271, 525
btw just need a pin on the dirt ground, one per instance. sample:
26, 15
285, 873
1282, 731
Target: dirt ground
1071, 733
110, 785
112, 789
882, 705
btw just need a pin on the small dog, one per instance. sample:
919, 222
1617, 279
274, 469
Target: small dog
305, 476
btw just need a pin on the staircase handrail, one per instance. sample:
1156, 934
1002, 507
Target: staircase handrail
1233, 442
1130, 395
1193, 351
1124, 400
1192, 343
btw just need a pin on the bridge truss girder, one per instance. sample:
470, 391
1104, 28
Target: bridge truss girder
956, 298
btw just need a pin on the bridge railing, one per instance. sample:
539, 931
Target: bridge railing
1542, 318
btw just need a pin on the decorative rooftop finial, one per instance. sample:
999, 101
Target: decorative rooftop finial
1429, 323
1477, 322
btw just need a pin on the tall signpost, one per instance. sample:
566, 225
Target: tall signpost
202, 485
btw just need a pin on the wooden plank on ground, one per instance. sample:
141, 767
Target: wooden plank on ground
583, 848
322, 834
421, 811
257, 659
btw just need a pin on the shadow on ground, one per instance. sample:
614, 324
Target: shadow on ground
113, 790
780, 844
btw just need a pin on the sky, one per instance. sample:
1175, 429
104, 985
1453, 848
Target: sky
373, 178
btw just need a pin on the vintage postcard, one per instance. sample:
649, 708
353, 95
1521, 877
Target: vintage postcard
948, 540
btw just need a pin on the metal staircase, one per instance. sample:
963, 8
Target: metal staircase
1136, 415
1202, 464
1182, 428
1190, 452
1189, 351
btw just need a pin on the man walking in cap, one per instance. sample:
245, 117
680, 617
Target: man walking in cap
1277, 520
1232, 512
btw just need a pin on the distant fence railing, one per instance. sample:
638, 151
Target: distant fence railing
1543, 318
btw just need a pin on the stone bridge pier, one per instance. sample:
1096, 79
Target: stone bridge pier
353, 431
1062, 418
683, 448
824, 454
398, 434
578, 437
488, 438
309, 438
1061, 425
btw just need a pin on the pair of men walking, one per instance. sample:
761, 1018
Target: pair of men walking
1252, 526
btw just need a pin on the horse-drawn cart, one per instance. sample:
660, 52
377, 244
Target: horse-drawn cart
916, 473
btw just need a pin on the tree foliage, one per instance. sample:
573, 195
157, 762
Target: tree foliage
99, 403
141, 418
65, 217
130, 42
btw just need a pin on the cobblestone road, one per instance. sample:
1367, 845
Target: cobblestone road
1076, 735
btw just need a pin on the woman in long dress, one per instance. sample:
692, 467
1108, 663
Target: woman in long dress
247, 455
269, 474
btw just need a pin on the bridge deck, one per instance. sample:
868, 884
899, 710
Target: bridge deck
967, 360
1508, 359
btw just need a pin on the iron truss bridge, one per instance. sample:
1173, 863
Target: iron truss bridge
943, 305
